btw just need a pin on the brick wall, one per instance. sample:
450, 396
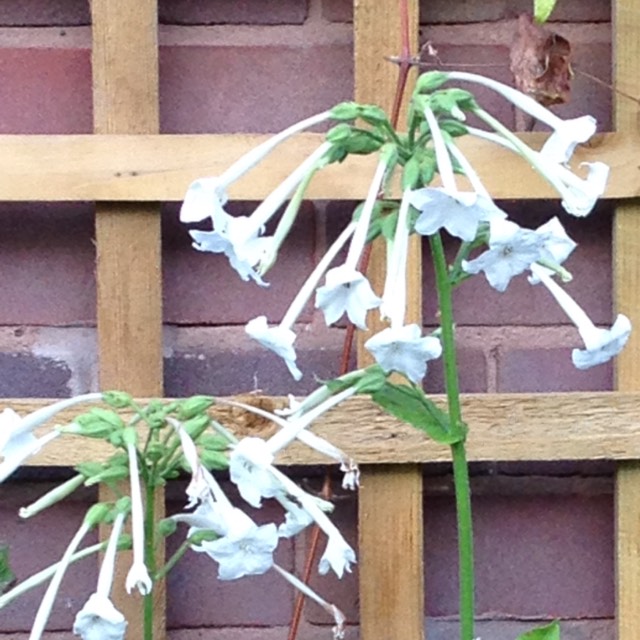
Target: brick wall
544, 531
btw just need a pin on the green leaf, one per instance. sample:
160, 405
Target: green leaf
412, 406
542, 9
548, 632
7, 577
411, 173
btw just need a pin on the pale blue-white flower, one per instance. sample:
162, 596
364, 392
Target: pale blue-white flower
17, 442
99, 619
512, 250
346, 290
567, 134
281, 337
249, 469
337, 556
401, 347
206, 197
558, 246
138, 575
579, 195
600, 344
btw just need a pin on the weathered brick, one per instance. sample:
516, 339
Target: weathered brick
233, 12
469, 11
509, 629
45, 91
197, 598
535, 556
201, 288
47, 264
228, 89
476, 303
32, 550
40, 13
472, 369
23, 375
539, 370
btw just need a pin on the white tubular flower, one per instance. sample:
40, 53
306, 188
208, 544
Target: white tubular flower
331, 609
557, 247
346, 289
512, 250
240, 238
567, 133
280, 338
17, 441
198, 487
206, 197
249, 464
99, 619
578, 195
401, 347
138, 576
44, 610
600, 344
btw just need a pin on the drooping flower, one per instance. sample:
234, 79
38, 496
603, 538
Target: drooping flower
512, 250
600, 344
249, 464
17, 441
99, 619
558, 246
567, 134
280, 338
206, 197
346, 289
138, 575
338, 556
405, 350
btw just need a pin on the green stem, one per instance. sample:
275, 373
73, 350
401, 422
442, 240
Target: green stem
173, 560
460, 466
149, 552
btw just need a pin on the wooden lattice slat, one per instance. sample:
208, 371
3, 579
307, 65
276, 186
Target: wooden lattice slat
627, 298
151, 168
128, 265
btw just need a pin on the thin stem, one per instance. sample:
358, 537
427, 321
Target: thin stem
173, 560
460, 466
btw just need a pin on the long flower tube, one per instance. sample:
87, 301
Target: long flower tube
567, 133
93, 517
206, 197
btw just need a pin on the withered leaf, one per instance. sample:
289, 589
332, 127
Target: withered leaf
541, 63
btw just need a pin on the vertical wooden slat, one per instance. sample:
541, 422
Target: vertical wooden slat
627, 295
390, 499
125, 100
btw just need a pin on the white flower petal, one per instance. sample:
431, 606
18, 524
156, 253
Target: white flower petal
337, 556
405, 350
603, 344
205, 198
346, 290
249, 464
99, 620
561, 144
279, 339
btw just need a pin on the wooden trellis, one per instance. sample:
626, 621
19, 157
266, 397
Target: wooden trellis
128, 175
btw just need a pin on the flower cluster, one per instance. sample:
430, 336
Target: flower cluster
437, 117
181, 435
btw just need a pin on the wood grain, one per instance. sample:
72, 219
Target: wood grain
626, 252
151, 168
390, 499
129, 291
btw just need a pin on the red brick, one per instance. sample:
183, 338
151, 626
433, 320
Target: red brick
476, 303
201, 288
546, 556
472, 368
233, 12
539, 370
250, 89
47, 264
45, 91
23, 375
31, 551
337, 10
509, 629
44, 13
197, 598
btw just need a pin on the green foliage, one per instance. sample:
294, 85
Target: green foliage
548, 632
542, 9
7, 577
411, 405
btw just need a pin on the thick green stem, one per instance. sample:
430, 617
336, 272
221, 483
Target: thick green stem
460, 466
149, 551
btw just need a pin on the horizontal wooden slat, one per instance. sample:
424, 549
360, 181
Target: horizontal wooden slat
159, 167
570, 426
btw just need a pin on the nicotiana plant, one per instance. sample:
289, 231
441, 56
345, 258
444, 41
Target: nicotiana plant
153, 443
